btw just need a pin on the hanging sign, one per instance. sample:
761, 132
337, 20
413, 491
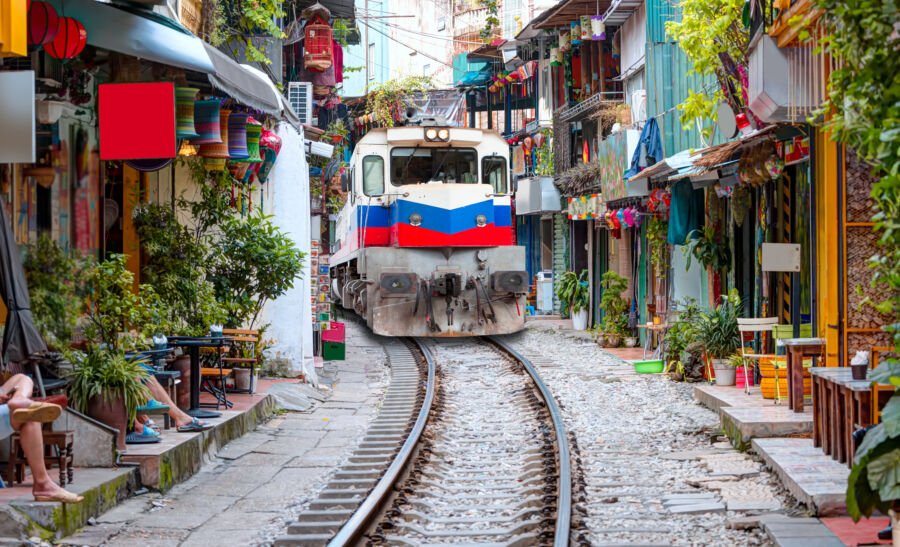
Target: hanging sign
518, 160
585, 207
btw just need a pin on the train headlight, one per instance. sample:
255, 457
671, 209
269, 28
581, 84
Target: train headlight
481, 220
415, 219
431, 134
434, 134
444, 134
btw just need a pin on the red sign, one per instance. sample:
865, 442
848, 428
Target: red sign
137, 121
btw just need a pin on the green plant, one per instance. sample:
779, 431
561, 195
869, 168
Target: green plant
56, 286
573, 292
718, 329
256, 262
735, 360
683, 331
861, 110
545, 155
708, 31
239, 22
106, 374
615, 319
112, 306
711, 249
657, 232
388, 100
492, 21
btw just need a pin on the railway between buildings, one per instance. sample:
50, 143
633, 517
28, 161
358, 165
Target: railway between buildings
468, 447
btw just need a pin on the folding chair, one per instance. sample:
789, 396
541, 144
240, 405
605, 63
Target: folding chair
754, 325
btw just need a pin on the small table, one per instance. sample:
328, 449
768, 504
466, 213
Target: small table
194, 343
797, 349
661, 329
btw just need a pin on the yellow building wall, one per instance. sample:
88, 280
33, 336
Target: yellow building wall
828, 226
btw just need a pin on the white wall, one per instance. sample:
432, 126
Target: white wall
686, 284
291, 314
634, 40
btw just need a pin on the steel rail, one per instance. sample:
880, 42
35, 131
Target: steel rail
564, 498
369, 509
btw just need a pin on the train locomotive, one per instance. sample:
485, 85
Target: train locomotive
425, 242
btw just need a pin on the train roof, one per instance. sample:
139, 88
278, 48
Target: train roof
406, 134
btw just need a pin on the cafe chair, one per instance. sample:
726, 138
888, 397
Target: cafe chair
754, 325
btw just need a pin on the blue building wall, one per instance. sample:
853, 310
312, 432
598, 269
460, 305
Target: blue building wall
355, 56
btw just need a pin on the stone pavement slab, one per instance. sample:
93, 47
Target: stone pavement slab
809, 475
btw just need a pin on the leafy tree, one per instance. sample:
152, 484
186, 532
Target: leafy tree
388, 100
708, 32
255, 262
56, 286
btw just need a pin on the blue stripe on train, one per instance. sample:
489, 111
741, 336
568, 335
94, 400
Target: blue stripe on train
438, 219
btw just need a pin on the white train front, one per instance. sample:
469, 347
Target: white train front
426, 240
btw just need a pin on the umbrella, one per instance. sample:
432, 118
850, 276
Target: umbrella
21, 338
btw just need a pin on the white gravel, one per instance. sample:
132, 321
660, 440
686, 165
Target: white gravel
637, 435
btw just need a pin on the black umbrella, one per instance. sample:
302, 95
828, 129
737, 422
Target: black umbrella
21, 338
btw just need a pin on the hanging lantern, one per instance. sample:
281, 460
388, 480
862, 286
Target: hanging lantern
69, 41
527, 143
586, 152
637, 216
237, 136
585, 27
238, 169
318, 54
218, 149
214, 164
564, 40
187, 149
598, 29
626, 217
265, 167
539, 140
554, 56
207, 122
575, 33
254, 131
184, 112
43, 23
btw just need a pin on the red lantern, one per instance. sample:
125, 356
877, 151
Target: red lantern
43, 23
69, 41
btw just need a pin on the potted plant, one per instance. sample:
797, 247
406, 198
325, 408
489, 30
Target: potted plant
107, 387
574, 297
681, 332
718, 330
615, 318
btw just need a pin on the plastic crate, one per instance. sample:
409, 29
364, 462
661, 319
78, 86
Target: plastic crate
335, 332
333, 351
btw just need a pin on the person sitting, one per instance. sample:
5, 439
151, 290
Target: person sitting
19, 413
183, 422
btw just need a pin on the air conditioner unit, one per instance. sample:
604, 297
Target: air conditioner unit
639, 105
300, 97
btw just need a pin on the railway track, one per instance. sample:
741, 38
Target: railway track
469, 447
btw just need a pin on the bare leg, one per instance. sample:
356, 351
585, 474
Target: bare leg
160, 394
23, 388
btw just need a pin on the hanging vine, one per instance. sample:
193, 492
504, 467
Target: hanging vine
242, 23
388, 100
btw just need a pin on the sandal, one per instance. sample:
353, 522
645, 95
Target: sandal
193, 427
37, 412
152, 407
136, 438
63, 496
147, 431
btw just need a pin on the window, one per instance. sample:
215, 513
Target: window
421, 165
493, 172
373, 175
371, 61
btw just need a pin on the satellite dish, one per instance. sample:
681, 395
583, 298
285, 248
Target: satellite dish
725, 120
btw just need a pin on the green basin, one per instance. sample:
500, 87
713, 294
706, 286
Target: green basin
654, 366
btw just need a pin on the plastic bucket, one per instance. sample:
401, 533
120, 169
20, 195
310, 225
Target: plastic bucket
654, 366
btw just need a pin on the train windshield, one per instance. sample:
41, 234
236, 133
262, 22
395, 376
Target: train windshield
414, 165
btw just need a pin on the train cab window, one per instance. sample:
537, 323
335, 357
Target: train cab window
373, 175
444, 165
493, 172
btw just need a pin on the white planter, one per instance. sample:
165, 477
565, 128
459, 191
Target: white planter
579, 320
724, 372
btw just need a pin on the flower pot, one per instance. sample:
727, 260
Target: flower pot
182, 364
241, 378
613, 340
859, 371
579, 320
725, 375
740, 380
110, 412
631, 342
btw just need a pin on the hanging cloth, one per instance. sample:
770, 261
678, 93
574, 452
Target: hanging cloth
649, 150
338, 64
685, 212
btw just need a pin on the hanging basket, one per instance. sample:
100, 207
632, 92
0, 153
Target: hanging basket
219, 149
598, 28
206, 122
184, 112
237, 136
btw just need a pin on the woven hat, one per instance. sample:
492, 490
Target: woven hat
219, 149
254, 132
184, 112
237, 136
206, 122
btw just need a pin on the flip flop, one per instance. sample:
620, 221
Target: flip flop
63, 496
37, 412
151, 406
194, 427
148, 431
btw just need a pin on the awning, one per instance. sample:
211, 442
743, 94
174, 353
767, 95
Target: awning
474, 77
283, 108
137, 32
680, 164
246, 84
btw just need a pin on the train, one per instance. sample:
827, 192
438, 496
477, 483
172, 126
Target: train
425, 242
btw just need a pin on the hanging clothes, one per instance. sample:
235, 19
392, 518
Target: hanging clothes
685, 212
649, 149
338, 60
